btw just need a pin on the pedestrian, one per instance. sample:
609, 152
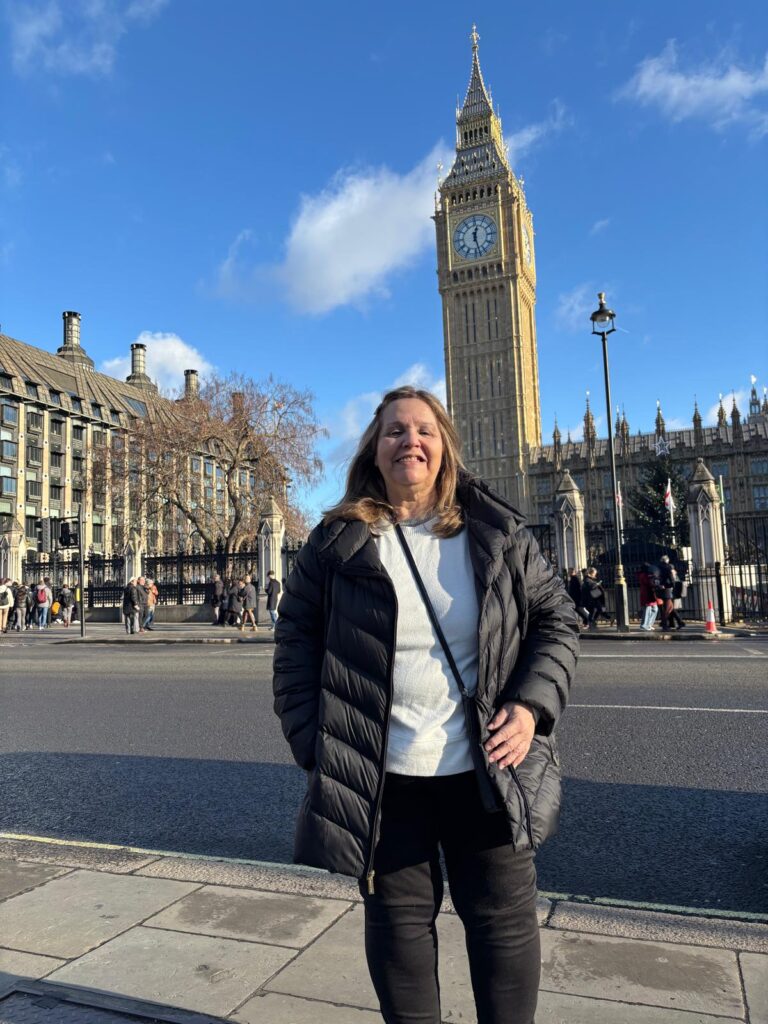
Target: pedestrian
67, 602
20, 608
141, 590
43, 602
574, 592
218, 600
6, 603
235, 602
648, 581
131, 606
250, 602
152, 594
273, 589
593, 597
424, 654
77, 604
668, 579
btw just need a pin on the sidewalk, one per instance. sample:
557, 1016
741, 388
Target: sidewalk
205, 633
103, 935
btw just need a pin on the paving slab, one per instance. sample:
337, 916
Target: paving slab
14, 965
334, 969
644, 924
276, 918
754, 967
190, 972
555, 1008
18, 876
272, 1008
70, 915
637, 971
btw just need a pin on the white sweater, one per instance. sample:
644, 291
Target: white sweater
427, 733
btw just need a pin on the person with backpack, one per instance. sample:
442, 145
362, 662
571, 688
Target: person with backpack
19, 608
67, 602
43, 602
6, 603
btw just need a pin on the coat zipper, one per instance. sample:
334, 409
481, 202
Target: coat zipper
369, 872
526, 805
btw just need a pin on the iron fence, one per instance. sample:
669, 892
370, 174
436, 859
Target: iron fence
544, 535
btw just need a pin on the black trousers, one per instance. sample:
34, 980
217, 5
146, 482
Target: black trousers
493, 890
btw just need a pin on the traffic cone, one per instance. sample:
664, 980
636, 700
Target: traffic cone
711, 626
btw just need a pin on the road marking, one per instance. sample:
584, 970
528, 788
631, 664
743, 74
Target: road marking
661, 707
601, 901
676, 655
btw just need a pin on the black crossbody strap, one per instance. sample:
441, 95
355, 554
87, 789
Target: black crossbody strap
430, 610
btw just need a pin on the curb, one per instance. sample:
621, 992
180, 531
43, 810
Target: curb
110, 641
681, 637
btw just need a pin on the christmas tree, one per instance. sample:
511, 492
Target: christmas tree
649, 507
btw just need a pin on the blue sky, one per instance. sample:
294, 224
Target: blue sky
251, 189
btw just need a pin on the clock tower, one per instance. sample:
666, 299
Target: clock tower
487, 280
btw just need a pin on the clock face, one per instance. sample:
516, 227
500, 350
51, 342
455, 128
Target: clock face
527, 246
475, 236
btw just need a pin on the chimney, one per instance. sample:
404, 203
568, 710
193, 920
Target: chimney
191, 384
138, 374
138, 359
71, 330
71, 348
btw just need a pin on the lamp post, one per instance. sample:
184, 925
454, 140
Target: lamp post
603, 325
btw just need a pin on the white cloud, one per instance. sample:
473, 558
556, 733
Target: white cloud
347, 425
599, 225
168, 356
75, 37
721, 93
522, 141
709, 419
574, 307
346, 242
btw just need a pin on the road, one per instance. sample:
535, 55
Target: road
177, 748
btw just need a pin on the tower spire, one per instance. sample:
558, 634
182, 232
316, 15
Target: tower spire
478, 127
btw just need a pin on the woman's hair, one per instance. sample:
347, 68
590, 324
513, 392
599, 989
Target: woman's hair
365, 497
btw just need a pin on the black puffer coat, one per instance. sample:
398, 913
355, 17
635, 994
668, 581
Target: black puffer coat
333, 675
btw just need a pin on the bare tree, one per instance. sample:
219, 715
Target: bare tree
209, 462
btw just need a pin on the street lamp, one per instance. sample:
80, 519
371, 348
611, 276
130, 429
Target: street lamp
603, 325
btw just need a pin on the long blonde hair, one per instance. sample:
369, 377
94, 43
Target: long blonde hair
365, 497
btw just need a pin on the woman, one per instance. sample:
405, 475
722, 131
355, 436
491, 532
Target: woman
250, 603
649, 602
593, 596
400, 763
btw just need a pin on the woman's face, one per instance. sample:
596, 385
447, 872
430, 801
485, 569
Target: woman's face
409, 451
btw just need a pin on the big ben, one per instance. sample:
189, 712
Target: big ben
487, 280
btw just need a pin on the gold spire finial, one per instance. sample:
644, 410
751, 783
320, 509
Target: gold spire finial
475, 38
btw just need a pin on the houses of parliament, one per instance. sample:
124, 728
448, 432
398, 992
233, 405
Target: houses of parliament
486, 266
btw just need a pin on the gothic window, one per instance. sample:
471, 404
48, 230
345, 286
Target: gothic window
495, 439
496, 322
455, 277
479, 439
469, 380
477, 379
490, 380
760, 496
474, 323
466, 322
471, 440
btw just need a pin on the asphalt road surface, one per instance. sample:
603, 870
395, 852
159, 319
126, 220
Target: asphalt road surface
177, 748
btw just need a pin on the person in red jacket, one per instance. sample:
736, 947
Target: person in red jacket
649, 600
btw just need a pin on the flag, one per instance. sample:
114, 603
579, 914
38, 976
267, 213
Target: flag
669, 501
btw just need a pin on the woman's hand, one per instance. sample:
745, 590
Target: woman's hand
513, 727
